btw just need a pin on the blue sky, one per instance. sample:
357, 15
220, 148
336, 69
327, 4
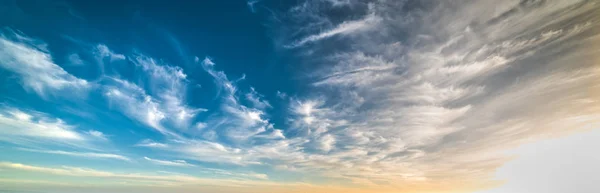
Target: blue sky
284, 96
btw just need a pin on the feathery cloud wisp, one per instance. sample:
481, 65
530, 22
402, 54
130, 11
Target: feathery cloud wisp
178, 163
90, 155
29, 59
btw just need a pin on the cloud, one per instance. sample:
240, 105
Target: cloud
144, 182
251, 5
338, 3
136, 104
239, 123
150, 143
212, 152
75, 59
90, 155
159, 103
84, 172
27, 128
345, 28
30, 59
255, 98
164, 100
97, 134
102, 51
572, 154
221, 172
326, 143
178, 163
281, 95
437, 87
200, 125
169, 84
412, 96
249, 179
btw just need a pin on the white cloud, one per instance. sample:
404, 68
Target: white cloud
345, 28
97, 134
32, 127
327, 142
160, 104
281, 95
236, 174
166, 181
90, 155
238, 122
568, 163
213, 152
102, 51
84, 172
178, 163
136, 104
33, 63
75, 59
255, 98
168, 83
200, 125
272, 134
152, 144
338, 3
251, 5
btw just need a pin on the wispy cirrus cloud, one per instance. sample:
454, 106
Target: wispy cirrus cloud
151, 144
32, 62
135, 103
178, 163
345, 28
97, 134
30, 127
169, 84
102, 51
89, 155
84, 172
440, 87
168, 180
238, 121
161, 104
207, 151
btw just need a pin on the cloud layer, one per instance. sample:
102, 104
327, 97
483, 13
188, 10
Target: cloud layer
398, 96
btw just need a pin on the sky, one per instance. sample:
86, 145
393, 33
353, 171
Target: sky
271, 96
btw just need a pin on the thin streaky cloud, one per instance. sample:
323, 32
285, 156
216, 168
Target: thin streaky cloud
90, 155
37, 71
345, 28
177, 163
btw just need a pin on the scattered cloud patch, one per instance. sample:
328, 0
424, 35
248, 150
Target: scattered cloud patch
345, 28
32, 62
102, 51
177, 163
97, 134
90, 155
30, 127
151, 144
75, 59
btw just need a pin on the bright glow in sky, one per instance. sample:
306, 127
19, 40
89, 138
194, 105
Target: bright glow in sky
398, 96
